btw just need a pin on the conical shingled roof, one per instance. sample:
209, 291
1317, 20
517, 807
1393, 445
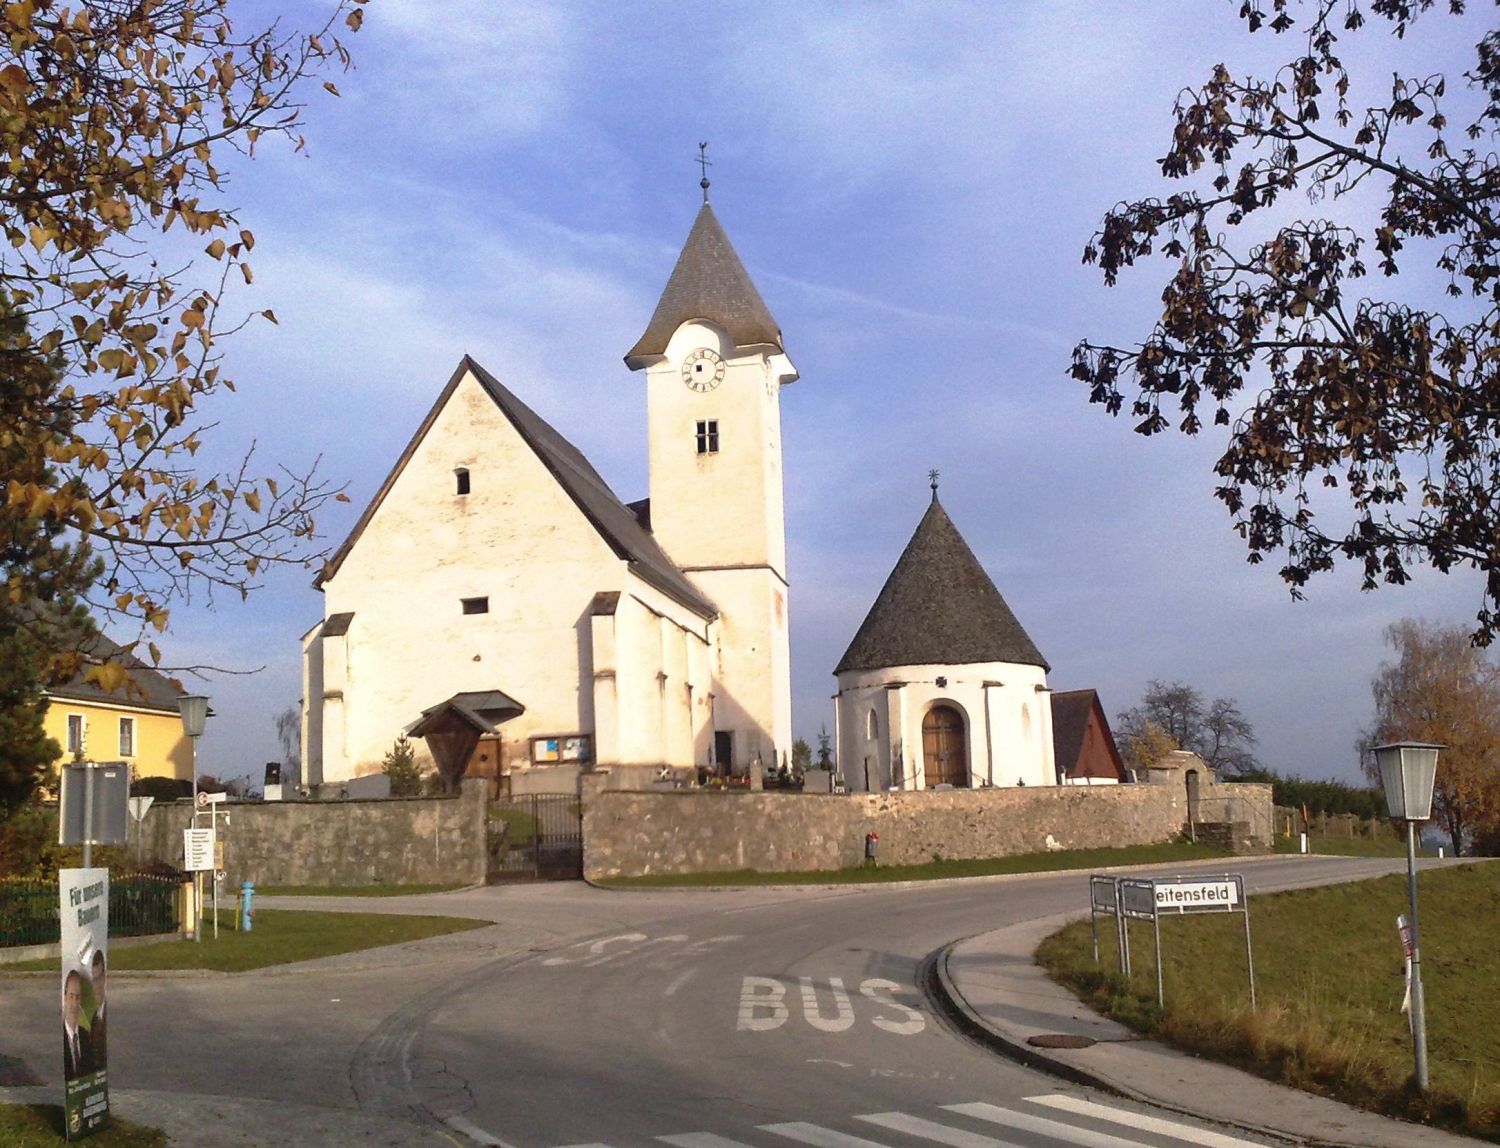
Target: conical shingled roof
938, 607
709, 282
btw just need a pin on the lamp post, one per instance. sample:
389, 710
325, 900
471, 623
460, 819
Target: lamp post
1407, 772
194, 711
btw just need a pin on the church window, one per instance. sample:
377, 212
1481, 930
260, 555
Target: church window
475, 605
708, 436
461, 478
873, 731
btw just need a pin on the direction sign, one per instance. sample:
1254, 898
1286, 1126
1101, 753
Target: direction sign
1138, 898
1199, 895
198, 850
206, 799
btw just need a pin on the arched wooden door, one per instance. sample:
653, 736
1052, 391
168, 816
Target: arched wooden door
945, 761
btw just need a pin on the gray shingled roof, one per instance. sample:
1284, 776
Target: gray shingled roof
938, 607
614, 521
709, 282
484, 710
149, 689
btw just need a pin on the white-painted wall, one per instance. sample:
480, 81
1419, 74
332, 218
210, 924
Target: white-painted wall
518, 539
721, 518
1007, 715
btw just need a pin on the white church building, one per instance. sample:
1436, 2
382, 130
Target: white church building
499, 600
941, 686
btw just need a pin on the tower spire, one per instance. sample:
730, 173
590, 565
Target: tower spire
704, 163
932, 477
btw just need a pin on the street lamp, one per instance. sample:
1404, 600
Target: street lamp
194, 711
1407, 772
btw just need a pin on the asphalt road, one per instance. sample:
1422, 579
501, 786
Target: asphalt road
699, 1019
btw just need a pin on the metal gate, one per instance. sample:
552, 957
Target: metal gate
536, 838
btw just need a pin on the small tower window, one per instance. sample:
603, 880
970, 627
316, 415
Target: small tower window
708, 436
461, 479
873, 723
475, 605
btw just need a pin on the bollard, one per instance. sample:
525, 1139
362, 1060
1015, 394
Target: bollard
247, 891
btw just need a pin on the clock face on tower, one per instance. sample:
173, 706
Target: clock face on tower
702, 370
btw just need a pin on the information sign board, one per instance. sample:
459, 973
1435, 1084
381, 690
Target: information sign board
198, 850
94, 803
1103, 895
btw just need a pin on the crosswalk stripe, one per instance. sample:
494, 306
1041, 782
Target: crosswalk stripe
701, 1140
819, 1137
931, 1130
1082, 1137
1199, 1136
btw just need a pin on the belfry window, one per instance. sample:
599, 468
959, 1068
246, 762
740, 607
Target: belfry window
475, 605
461, 479
708, 436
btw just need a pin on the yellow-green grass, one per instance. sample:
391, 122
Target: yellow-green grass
935, 870
1329, 982
1334, 846
349, 890
41, 1125
279, 936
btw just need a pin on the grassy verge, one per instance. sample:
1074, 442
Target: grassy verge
351, 890
41, 1125
1351, 847
933, 870
280, 937
1328, 977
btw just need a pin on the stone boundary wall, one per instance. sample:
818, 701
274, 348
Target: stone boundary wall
395, 841
631, 834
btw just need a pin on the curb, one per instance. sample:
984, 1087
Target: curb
943, 993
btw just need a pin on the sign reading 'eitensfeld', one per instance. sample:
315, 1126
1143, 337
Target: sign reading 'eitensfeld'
1199, 895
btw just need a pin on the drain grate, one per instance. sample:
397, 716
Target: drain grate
1061, 1040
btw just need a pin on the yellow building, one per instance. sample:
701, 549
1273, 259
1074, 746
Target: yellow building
139, 724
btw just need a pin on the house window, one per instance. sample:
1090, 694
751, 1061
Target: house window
461, 477
475, 605
127, 737
75, 734
708, 436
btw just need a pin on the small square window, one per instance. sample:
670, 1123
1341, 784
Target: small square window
127, 737
708, 436
461, 479
475, 605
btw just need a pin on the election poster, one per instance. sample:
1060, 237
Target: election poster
84, 895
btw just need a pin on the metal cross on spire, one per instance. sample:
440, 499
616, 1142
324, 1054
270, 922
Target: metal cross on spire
932, 477
704, 163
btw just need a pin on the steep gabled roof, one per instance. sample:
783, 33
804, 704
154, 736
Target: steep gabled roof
938, 607
709, 282
1072, 710
614, 521
148, 689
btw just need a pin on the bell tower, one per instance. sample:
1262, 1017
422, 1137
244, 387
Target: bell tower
715, 367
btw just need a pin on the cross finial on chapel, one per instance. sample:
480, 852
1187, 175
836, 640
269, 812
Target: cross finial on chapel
932, 477
704, 163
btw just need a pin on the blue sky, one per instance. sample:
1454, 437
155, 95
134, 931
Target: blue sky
911, 187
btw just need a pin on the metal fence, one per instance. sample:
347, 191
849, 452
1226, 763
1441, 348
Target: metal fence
140, 905
537, 837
